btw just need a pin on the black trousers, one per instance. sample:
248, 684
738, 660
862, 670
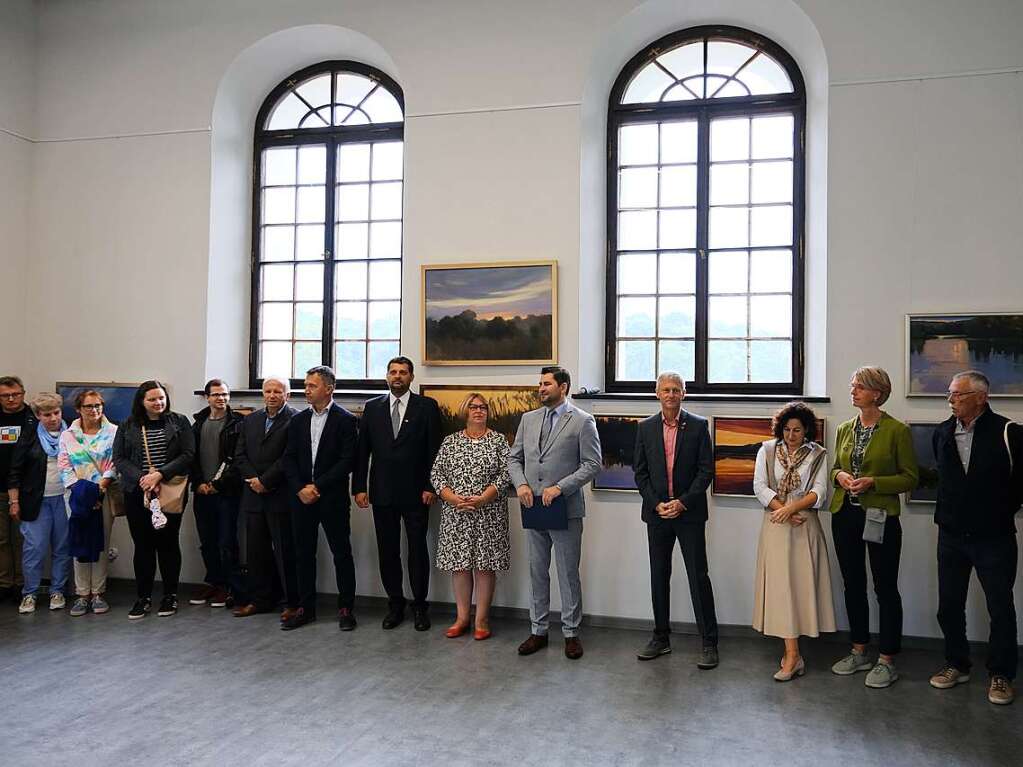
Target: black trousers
152, 546
270, 553
994, 559
847, 532
387, 520
337, 526
691, 537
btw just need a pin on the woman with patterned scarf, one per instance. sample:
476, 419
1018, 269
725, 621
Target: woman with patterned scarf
87, 455
37, 502
792, 582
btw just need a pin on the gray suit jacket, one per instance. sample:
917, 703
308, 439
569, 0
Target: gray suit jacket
570, 459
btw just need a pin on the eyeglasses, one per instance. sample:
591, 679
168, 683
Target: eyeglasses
477, 407
15, 395
952, 396
97, 406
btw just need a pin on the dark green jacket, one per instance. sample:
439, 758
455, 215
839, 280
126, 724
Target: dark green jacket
889, 459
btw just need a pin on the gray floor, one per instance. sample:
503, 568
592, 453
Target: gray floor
203, 688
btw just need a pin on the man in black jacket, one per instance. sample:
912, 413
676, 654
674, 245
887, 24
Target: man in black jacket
401, 431
15, 417
317, 463
979, 457
216, 488
674, 465
266, 504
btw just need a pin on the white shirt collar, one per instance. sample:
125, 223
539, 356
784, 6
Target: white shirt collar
403, 399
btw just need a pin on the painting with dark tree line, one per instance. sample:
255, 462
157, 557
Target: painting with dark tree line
940, 345
617, 446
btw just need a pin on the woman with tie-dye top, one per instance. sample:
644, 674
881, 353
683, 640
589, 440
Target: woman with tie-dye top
87, 453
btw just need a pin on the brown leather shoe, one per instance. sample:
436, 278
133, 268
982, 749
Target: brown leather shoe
289, 612
534, 643
244, 611
573, 648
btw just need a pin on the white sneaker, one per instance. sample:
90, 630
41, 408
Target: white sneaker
57, 601
28, 604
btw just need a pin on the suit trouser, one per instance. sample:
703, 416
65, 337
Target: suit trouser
568, 546
11, 545
994, 559
387, 521
847, 532
337, 527
661, 537
270, 552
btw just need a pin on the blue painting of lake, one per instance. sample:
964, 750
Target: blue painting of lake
940, 347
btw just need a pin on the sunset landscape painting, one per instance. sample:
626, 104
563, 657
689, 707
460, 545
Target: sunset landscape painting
736, 442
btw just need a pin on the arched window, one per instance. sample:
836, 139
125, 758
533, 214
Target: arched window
705, 215
327, 224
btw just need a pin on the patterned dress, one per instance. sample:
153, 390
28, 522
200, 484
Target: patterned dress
473, 540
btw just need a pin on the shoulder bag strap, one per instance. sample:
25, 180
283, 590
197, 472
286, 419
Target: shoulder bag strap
1005, 438
145, 445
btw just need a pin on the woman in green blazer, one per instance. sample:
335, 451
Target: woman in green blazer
874, 463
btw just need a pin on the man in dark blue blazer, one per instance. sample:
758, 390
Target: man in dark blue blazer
401, 432
674, 466
317, 463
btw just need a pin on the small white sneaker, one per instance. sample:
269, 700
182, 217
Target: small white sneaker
57, 601
28, 604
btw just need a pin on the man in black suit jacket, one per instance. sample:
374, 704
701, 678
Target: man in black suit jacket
979, 459
401, 431
317, 463
674, 484
266, 504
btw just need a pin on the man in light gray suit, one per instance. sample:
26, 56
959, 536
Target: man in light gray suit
556, 452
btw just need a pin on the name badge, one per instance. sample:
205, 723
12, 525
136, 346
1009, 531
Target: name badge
9, 434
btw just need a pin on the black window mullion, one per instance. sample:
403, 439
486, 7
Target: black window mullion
702, 240
329, 251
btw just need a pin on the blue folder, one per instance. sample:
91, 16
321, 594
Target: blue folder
540, 517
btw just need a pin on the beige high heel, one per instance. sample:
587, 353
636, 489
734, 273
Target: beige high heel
799, 670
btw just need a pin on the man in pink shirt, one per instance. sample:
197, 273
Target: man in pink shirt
674, 467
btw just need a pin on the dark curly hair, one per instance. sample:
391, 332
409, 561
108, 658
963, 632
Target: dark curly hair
800, 411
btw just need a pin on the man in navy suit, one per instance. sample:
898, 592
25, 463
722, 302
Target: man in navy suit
401, 431
317, 462
674, 466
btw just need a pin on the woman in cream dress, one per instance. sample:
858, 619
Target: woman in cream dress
793, 582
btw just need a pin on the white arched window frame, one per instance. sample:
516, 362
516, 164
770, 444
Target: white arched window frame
327, 225
705, 215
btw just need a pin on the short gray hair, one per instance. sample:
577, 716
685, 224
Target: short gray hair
976, 378
45, 402
285, 382
671, 375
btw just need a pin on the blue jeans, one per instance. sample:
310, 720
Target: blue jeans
47, 531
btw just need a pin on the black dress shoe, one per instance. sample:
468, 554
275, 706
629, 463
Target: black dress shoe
393, 619
654, 648
421, 619
573, 648
345, 619
708, 658
299, 619
534, 643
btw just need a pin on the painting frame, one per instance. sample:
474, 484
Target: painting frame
429, 341
746, 454
915, 368
603, 476
448, 396
117, 398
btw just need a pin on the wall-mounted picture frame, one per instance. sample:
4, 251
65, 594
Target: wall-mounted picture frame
922, 434
117, 398
617, 446
940, 345
736, 441
507, 405
503, 313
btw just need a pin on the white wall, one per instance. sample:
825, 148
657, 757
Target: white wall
924, 185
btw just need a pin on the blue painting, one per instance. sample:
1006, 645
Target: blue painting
117, 398
939, 346
617, 446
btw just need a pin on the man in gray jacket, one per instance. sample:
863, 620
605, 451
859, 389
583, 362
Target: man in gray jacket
556, 452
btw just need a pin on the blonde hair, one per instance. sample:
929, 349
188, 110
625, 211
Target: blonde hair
876, 379
463, 409
45, 402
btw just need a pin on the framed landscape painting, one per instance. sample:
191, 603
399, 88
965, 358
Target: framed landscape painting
507, 404
736, 441
617, 445
117, 398
940, 345
490, 314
